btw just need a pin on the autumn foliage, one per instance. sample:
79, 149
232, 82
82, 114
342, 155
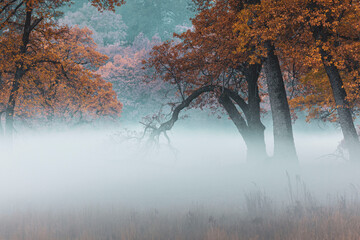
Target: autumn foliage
318, 37
301, 31
48, 70
313, 47
68, 90
208, 72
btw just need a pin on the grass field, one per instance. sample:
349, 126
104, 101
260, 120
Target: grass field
259, 218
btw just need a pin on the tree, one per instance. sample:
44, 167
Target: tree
208, 72
31, 42
60, 89
326, 33
284, 147
253, 37
336, 40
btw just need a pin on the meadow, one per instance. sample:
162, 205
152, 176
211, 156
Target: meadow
96, 185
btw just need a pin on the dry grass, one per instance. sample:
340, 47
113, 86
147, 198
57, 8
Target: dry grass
259, 219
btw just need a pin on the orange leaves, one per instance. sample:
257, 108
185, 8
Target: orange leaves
311, 33
205, 55
78, 46
315, 96
53, 67
242, 30
60, 84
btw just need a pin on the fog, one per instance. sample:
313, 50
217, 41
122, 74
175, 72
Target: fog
79, 168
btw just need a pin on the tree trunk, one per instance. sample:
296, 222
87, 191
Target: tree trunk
10, 110
2, 108
2, 132
284, 146
256, 146
343, 110
256, 151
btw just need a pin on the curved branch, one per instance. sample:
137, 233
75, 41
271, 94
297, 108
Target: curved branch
166, 126
238, 100
234, 115
224, 100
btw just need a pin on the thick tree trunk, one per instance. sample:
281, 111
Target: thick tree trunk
256, 146
344, 112
284, 146
254, 139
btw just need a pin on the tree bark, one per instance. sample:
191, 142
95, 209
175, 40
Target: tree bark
284, 146
256, 151
255, 138
342, 106
234, 115
257, 146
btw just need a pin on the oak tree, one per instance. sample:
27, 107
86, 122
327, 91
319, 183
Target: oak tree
322, 36
30, 46
207, 71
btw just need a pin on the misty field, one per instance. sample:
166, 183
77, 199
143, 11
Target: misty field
260, 219
94, 185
